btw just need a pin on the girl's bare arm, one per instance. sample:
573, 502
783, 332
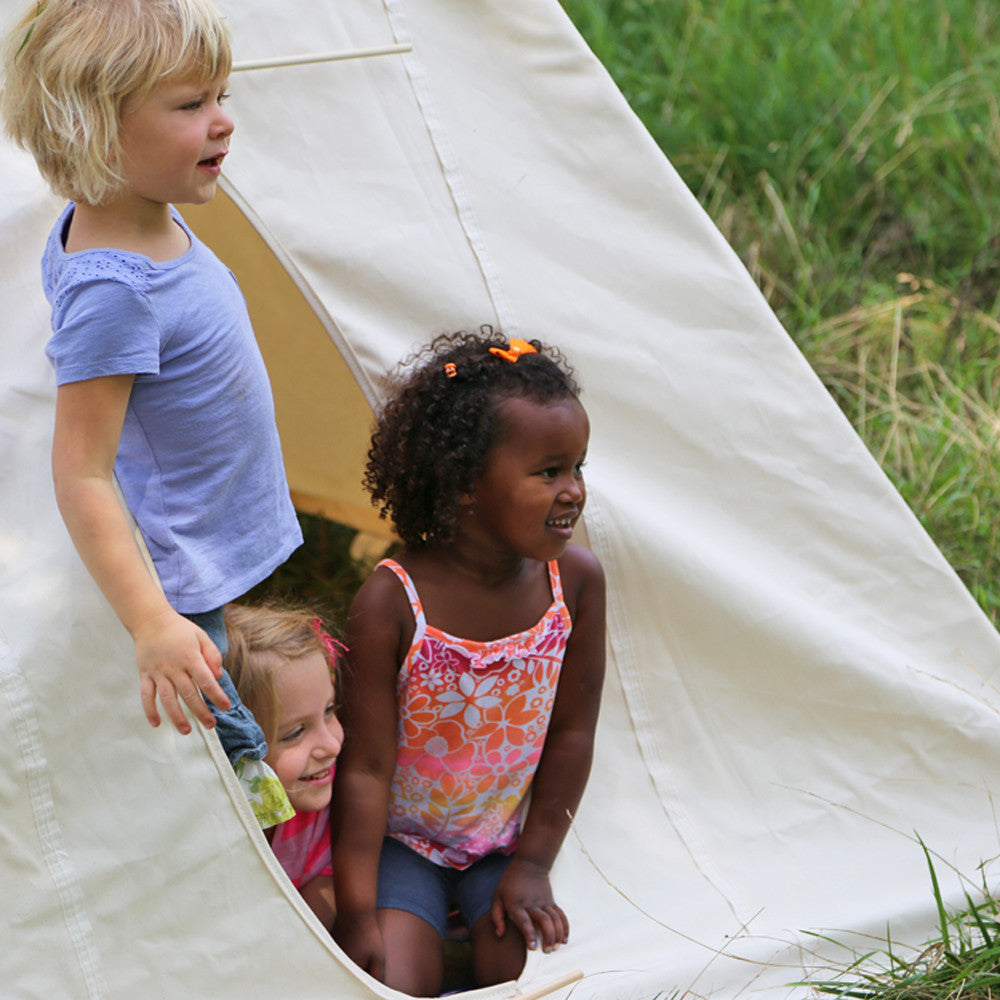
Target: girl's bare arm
176, 659
366, 764
523, 893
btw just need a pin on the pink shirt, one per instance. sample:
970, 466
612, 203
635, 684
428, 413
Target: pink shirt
472, 722
302, 846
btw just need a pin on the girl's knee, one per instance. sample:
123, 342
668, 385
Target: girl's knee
496, 959
414, 954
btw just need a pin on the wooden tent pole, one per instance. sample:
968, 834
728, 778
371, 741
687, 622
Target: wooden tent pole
318, 57
556, 984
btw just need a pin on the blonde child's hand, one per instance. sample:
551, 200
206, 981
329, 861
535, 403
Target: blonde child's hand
178, 662
523, 895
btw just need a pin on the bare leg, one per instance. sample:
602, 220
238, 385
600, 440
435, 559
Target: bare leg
496, 960
414, 954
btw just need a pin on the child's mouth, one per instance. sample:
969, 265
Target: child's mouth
562, 525
212, 162
318, 776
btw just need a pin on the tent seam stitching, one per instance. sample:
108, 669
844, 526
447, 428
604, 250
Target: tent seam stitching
452, 173
28, 735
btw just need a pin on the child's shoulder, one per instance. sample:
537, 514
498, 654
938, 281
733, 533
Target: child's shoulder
96, 266
64, 272
581, 575
580, 562
382, 592
380, 621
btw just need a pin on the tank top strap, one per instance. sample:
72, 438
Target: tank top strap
416, 606
555, 583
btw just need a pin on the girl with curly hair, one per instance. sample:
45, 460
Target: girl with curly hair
476, 665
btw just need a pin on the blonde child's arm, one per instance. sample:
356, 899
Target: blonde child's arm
318, 895
523, 895
176, 659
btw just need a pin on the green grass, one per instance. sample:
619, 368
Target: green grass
849, 151
963, 961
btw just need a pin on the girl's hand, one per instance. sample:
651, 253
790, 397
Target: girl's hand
361, 939
524, 895
178, 662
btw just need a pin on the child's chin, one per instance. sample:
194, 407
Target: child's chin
310, 803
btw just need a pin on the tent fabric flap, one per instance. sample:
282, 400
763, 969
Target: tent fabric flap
799, 687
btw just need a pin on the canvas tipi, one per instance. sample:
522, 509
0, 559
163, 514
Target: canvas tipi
798, 683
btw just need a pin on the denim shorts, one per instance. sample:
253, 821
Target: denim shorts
239, 732
408, 881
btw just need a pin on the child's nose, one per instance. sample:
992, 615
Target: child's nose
224, 125
334, 740
573, 491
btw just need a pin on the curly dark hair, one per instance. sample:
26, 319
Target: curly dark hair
434, 429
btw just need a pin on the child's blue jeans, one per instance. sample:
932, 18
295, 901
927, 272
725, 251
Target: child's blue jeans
238, 730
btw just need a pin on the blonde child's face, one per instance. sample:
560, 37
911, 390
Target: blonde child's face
309, 735
173, 143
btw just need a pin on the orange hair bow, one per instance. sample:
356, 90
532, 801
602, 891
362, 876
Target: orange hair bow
516, 349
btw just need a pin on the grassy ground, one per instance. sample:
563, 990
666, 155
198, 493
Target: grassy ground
849, 151
321, 572
962, 963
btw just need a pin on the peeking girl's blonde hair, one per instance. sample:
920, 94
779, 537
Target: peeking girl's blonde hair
73, 68
261, 640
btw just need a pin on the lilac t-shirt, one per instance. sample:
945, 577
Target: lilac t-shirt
199, 461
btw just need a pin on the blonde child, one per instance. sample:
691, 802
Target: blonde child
284, 667
476, 665
160, 381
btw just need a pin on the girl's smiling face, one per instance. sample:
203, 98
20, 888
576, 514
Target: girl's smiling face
531, 492
308, 734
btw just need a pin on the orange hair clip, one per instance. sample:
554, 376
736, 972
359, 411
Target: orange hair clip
517, 348
450, 370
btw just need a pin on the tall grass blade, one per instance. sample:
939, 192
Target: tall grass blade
942, 914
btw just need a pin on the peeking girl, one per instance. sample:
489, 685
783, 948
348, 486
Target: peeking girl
284, 667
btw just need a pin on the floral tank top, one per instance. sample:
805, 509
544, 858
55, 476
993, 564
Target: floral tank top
472, 722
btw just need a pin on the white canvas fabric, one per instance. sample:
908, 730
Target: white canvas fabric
798, 684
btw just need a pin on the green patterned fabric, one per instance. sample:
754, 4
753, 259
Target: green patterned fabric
264, 792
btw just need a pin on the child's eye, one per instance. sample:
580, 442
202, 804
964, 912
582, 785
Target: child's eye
292, 735
222, 98
578, 468
550, 473
330, 710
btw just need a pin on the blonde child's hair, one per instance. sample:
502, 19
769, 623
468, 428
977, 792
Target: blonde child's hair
73, 68
262, 639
